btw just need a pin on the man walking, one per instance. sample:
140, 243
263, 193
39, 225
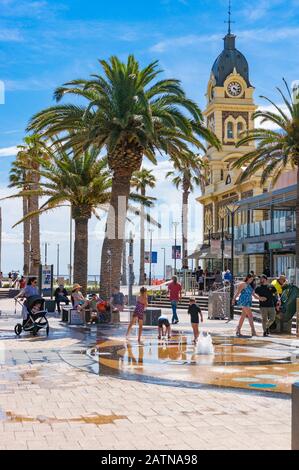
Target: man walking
175, 295
267, 306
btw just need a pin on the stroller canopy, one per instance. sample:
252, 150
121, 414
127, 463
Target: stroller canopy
33, 300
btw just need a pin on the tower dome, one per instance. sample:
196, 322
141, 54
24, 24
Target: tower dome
229, 60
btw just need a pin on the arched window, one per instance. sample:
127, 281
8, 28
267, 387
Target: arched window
240, 128
221, 175
228, 179
230, 130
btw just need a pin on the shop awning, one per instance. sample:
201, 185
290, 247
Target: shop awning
281, 199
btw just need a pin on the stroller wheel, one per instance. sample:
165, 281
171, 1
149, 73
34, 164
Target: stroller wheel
47, 330
18, 329
34, 331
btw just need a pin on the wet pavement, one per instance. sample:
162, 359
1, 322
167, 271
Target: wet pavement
89, 388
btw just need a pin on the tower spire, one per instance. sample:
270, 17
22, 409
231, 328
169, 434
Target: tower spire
229, 18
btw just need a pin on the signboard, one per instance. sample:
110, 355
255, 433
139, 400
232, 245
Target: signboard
76, 317
176, 252
46, 277
275, 245
169, 272
254, 248
147, 255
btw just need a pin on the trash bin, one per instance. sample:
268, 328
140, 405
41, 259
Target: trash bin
50, 305
283, 321
219, 305
151, 316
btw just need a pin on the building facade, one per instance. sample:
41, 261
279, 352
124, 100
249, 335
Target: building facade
229, 112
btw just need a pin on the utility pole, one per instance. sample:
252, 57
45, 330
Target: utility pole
0, 239
71, 245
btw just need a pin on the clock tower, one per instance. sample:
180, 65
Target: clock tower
229, 112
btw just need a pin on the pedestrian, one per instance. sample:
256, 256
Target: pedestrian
61, 295
228, 277
267, 307
279, 283
10, 279
1, 278
245, 292
22, 282
164, 326
141, 305
30, 290
200, 280
175, 295
194, 311
117, 300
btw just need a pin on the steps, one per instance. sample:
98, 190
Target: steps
8, 293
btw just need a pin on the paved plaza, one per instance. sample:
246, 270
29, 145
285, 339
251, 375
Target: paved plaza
87, 388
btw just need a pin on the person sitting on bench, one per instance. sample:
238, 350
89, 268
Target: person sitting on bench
61, 295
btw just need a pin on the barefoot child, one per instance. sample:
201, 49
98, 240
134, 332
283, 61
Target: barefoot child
194, 311
163, 323
141, 305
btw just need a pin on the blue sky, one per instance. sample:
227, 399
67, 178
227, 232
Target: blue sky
45, 43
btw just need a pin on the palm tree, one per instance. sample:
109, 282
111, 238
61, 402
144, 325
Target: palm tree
18, 178
188, 174
132, 115
277, 149
83, 182
142, 180
29, 156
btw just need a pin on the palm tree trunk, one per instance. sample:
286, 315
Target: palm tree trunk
185, 202
26, 238
35, 257
297, 221
142, 243
81, 252
35, 227
115, 231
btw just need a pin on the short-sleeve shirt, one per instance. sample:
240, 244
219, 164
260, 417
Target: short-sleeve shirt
194, 310
174, 289
268, 292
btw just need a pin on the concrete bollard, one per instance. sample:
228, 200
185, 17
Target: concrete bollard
295, 416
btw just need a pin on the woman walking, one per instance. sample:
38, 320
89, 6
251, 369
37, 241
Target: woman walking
141, 305
245, 292
29, 290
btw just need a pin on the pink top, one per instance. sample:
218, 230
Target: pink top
174, 290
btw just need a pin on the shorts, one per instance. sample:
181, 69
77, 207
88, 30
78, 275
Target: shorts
163, 322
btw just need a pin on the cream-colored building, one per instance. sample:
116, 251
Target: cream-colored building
229, 111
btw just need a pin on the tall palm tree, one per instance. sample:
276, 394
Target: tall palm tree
18, 178
132, 115
30, 154
276, 149
188, 175
83, 182
142, 180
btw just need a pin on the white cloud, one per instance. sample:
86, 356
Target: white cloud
8, 151
270, 125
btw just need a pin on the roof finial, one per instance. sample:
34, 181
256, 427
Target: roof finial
229, 17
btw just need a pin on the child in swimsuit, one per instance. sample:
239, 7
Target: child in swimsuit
141, 305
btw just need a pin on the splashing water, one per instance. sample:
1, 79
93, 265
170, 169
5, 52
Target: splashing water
205, 344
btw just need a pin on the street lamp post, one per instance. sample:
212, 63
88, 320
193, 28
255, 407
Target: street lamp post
151, 252
175, 224
164, 263
222, 215
58, 256
46, 253
131, 268
232, 210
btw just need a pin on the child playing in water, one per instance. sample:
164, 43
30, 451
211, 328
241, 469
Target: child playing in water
163, 323
141, 305
194, 311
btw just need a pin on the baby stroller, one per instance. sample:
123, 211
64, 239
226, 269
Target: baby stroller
35, 320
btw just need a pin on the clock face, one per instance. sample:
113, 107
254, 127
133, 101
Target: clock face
234, 89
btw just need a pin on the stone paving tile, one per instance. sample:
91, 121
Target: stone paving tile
50, 393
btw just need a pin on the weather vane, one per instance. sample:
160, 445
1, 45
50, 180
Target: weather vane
229, 17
